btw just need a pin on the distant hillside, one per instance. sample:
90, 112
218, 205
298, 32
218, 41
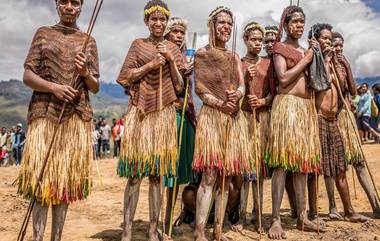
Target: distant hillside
110, 102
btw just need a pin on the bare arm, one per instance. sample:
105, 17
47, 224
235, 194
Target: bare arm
211, 100
62, 92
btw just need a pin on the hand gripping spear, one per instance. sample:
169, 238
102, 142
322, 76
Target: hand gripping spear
74, 83
336, 82
180, 139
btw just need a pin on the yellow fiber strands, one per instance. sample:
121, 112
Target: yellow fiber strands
294, 135
67, 175
210, 140
151, 147
350, 140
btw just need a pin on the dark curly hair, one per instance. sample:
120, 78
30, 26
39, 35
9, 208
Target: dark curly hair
153, 3
337, 35
317, 29
275, 28
293, 9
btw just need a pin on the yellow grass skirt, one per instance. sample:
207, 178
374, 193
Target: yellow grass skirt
233, 156
351, 143
293, 135
67, 175
262, 135
149, 146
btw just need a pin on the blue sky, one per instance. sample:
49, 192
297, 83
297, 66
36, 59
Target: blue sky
374, 4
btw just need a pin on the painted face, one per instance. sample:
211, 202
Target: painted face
69, 10
269, 40
337, 43
177, 35
325, 39
156, 23
254, 41
296, 25
223, 27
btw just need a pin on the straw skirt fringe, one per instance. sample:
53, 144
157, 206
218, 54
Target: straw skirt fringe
231, 156
293, 136
350, 141
151, 147
67, 175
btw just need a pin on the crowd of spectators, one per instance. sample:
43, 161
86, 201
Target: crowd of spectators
11, 145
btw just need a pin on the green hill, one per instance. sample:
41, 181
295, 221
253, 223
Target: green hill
15, 97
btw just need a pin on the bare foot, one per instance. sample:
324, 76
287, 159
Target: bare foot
356, 218
127, 234
238, 227
199, 234
322, 224
335, 215
153, 235
258, 229
276, 231
376, 214
218, 234
310, 226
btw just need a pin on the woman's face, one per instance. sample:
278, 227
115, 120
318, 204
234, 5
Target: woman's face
254, 41
69, 10
296, 25
177, 35
156, 23
223, 27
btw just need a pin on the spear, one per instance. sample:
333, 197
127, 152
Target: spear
180, 139
74, 83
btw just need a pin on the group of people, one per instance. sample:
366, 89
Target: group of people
102, 135
282, 116
366, 106
11, 145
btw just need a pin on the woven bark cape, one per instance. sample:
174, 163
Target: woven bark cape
213, 72
146, 97
51, 56
262, 85
292, 55
293, 136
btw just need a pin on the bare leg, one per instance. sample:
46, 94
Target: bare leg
244, 191
312, 193
303, 222
333, 211
39, 221
204, 198
59, 216
220, 210
278, 187
291, 194
169, 204
154, 207
344, 192
366, 184
256, 200
131, 197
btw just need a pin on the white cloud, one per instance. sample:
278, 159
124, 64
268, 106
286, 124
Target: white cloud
121, 21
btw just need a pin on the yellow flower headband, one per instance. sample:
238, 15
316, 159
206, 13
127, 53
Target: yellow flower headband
157, 8
254, 26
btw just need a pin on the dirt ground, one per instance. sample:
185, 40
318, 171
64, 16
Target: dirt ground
100, 217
